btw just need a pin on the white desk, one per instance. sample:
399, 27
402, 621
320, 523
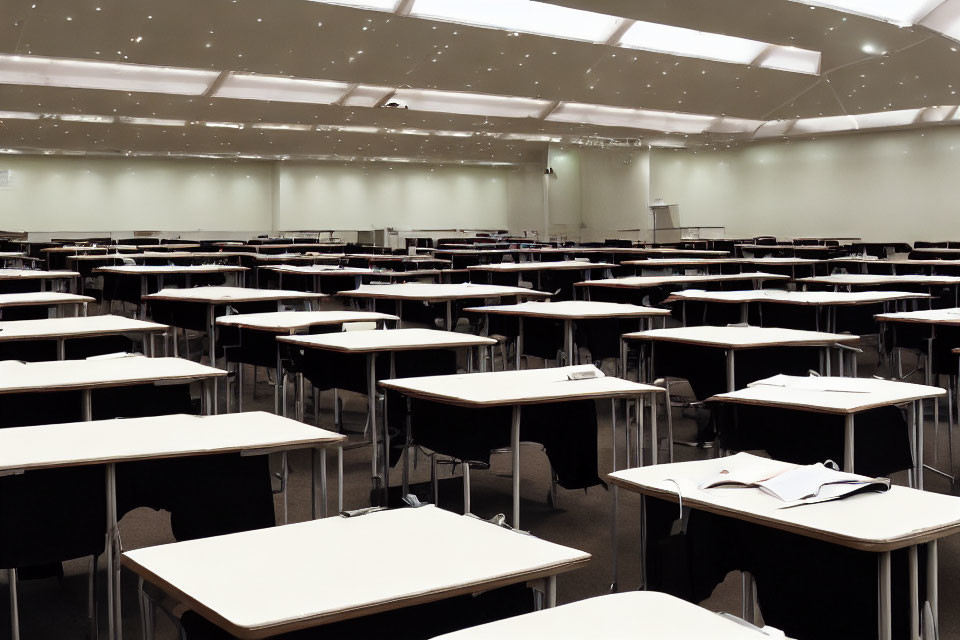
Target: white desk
680, 282
21, 275
63, 329
518, 388
439, 293
290, 323
46, 299
372, 343
145, 272
731, 339
827, 299
619, 616
104, 373
842, 396
212, 297
278, 586
569, 311
583, 267
874, 522
111, 442
850, 280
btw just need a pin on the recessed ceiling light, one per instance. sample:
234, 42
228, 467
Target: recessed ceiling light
661, 38
280, 89
224, 125
73, 117
477, 104
376, 5
154, 122
90, 74
631, 118
523, 16
18, 115
282, 127
903, 13
454, 134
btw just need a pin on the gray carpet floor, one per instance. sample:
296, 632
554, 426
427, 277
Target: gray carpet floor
52, 609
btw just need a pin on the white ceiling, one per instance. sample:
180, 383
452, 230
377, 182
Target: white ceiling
316, 40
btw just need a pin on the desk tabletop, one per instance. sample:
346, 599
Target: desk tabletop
101, 372
740, 337
284, 321
388, 340
867, 279
510, 388
75, 327
572, 309
170, 436
438, 292
36, 274
643, 282
804, 298
616, 616
561, 265
276, 588
927, 316
873, 522
226, 295
322, 270
695, 262
828, 394
164, 269
41, 298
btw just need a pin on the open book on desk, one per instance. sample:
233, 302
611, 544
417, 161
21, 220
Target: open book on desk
794, 485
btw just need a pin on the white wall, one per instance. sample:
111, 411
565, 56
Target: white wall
101, 195
336, 196
879, 186
97, 194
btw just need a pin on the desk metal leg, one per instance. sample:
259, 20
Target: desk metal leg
278, 384
114, 606
885, 627
408, 428
515, 464
466, 487
613, 538
372, 415
208, 406
551, 600
933, 595
918, 417
748, 585
914, 593
654, 441
568, 341
14, 606
731, 379
212, 340
319, 468
848, 433
61, 349
519, 341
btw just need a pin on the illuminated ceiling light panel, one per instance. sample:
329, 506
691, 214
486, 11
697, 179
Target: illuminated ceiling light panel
454, 134
18, 115
945, 19
474, 104
154, 122
375, 5
407, 132
726, 124
827, 124
899, 118
526, 137
282, 127
661, 38
224, 125
366, 96
280, 89
902, 13
524, 16
347, 128
72, 117
111, 76
632, 118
